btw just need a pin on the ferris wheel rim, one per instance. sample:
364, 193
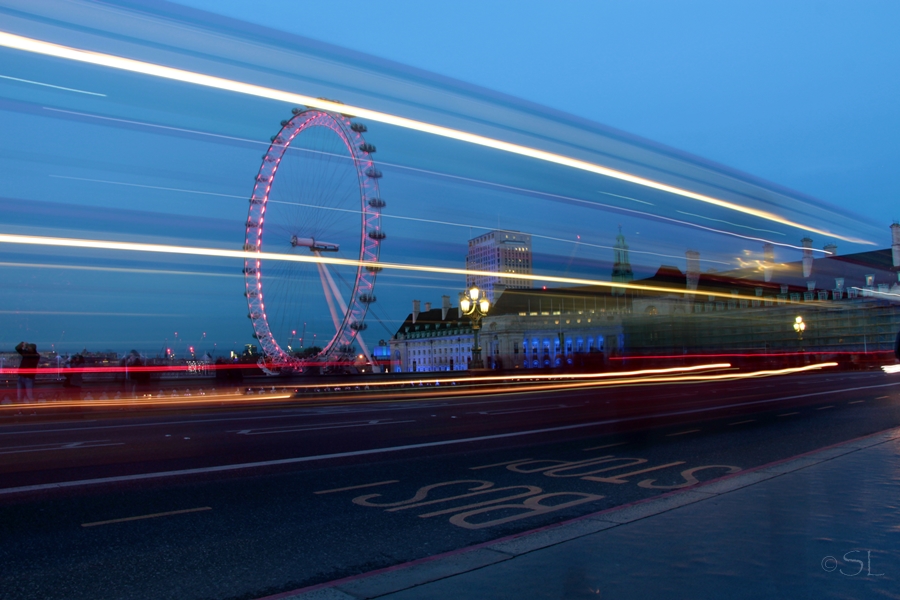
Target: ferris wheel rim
370, 237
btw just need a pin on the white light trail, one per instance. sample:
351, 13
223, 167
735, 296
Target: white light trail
113, 269
625, 197
511, 188
56, 87
86, 314
26, 44
244, 255
383, 216
733, 224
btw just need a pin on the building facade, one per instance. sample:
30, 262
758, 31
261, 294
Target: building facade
432, 340
499, 252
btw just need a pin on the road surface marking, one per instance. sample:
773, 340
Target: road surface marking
512, 411
58, 446
856, 402
682, 432
620, 477
606, 446
825, 407
357, 487
383, 450
500, 464
882, 397
153, 516
742, 422
323, 427
789, 414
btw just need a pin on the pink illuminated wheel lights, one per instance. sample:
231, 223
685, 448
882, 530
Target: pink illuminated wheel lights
316, 194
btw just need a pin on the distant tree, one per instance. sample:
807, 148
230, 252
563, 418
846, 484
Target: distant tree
307, 352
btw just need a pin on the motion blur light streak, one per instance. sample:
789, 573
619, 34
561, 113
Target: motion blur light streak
626, 380
149, 187
738, 225
84, 313
537, 377
472, 226
116, 62
56, 87
113, 270
537, 193
215, 252
626, 197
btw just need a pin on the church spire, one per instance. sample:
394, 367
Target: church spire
621, 272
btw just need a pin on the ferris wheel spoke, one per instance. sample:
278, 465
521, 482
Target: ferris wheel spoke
331, 296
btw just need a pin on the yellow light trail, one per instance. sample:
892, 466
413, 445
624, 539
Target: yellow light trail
525, 377
35, 46
33, 240
623, 380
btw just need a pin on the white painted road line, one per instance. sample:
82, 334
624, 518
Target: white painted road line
500, 464
153, 516
358, 487
272, 430
59, 446
682, 432
513, 411
742, 422
605, 446
304, 459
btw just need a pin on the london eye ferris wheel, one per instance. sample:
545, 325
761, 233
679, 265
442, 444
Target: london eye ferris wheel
316, 194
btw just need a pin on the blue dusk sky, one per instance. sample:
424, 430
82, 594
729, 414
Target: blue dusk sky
785, 108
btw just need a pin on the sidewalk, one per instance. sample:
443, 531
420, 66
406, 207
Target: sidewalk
822, 525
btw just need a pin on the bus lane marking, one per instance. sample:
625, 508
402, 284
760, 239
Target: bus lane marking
531, 506
523, 501
586, 470
688, 475
620, 478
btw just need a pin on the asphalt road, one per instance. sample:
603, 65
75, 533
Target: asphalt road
245, 503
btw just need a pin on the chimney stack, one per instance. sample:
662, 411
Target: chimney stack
807, 256
832, 248
445, 307
768, 261
692, 274
427, 306
895, 243
415, 312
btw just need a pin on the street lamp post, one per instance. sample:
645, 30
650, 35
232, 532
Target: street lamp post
799, 327
475, 304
